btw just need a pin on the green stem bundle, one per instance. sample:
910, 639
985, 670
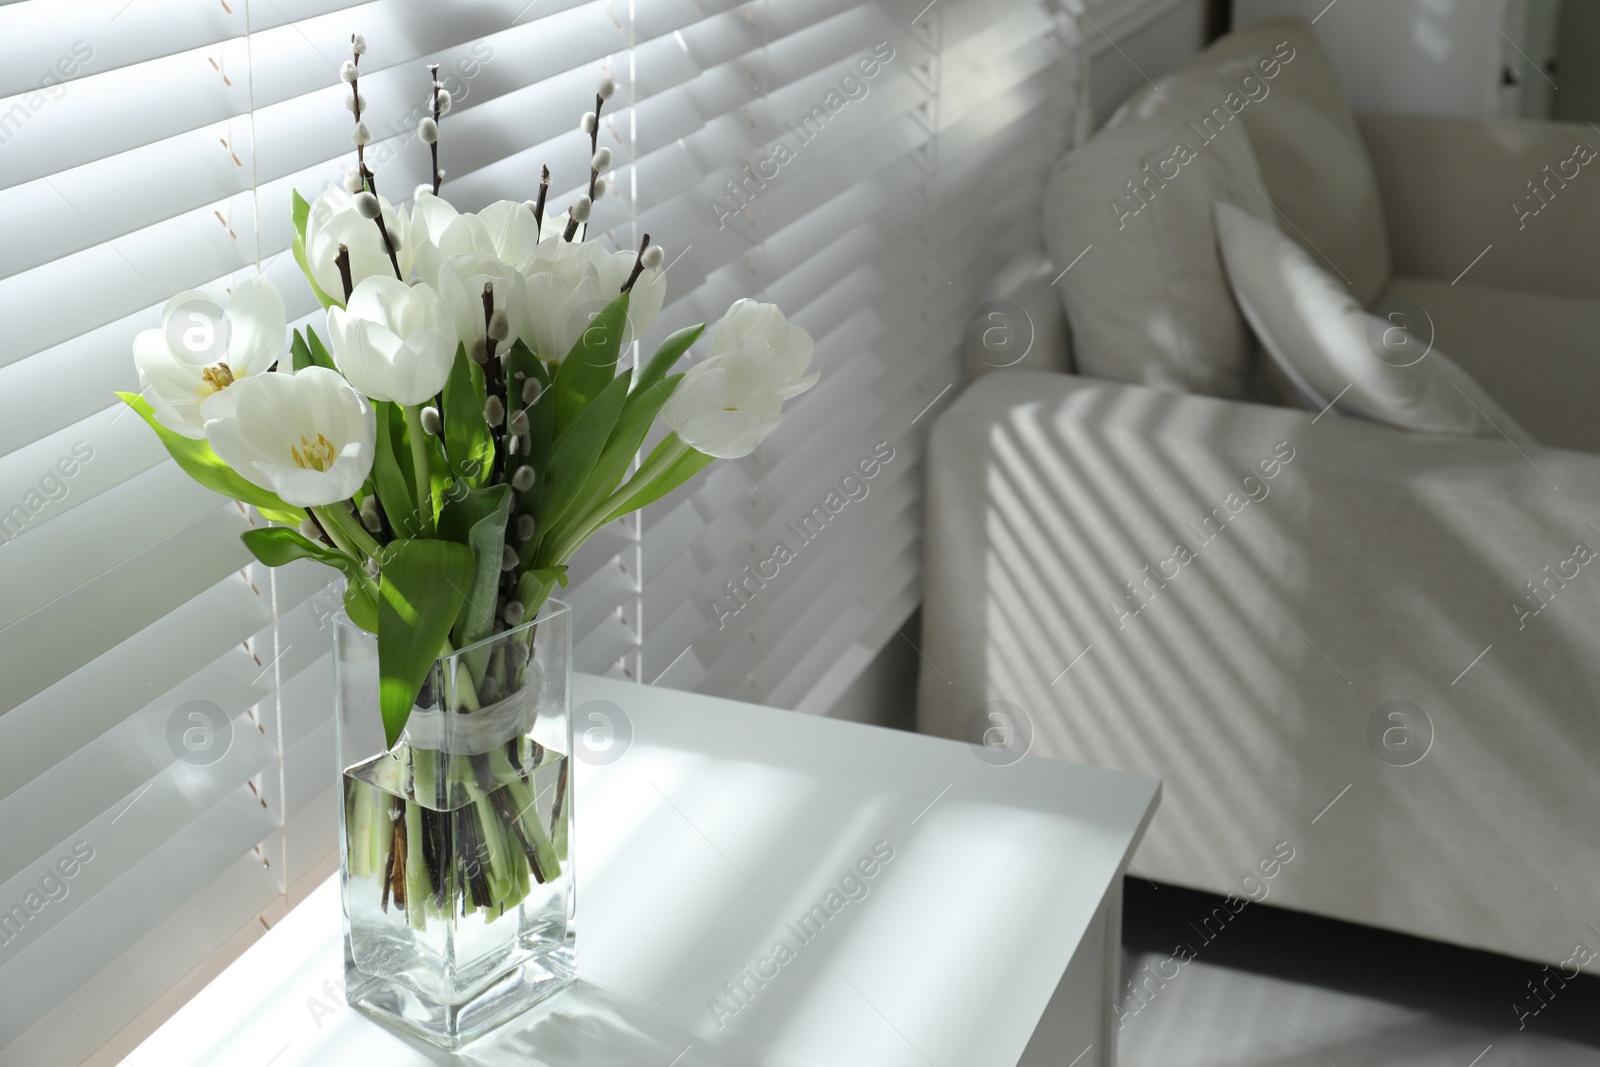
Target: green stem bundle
446, 835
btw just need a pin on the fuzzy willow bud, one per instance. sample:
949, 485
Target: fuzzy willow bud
348, 72
361, 135
508, 559
494, 412
589, 123
353, 182
355, 102
478, 351
601, 187
443, 96
367, 205
358, 45
526, 527
606, 89
518, 424
531, 390
416, 193
581, 209
601, 161
430, 420
499, 326
523, 480
311, 531
369, 515
653, 257
428, 130
514, 613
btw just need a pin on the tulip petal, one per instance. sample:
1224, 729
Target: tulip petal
170, 384
258, 327
512, 231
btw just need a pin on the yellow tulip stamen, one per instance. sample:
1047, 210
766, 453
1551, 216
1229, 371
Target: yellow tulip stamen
314, 455
215, 379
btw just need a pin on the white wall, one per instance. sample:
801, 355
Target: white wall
1156, 39
1434, 57
1152, 39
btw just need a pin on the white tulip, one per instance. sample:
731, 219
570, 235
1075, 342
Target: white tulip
201, 350
569, 283
394, 341
309, 437
461, 284
336, 220
513, 232
439, 231
731, 402
504, 230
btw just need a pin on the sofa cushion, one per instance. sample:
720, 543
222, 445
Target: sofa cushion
1128, 218
1536, 353
1276, 79
1337, 354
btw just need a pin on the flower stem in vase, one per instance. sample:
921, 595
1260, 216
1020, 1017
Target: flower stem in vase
417, 885
556, 821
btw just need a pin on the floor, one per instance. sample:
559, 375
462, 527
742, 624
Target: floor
1214, 1016
1279, 988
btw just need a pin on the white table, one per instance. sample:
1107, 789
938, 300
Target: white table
990, 937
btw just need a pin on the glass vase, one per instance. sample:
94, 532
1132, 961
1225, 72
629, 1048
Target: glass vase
456, 843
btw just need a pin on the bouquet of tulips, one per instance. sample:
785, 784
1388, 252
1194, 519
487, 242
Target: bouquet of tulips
467, 421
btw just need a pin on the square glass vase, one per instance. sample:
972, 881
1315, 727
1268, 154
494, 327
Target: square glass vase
456, 844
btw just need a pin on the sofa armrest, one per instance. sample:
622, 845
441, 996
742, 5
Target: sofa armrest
1224, 595
1453, 187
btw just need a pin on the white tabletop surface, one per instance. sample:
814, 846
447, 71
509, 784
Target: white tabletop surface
720, 824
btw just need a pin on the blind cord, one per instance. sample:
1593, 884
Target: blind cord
250, 90
272, 575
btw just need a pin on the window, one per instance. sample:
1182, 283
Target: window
166, 784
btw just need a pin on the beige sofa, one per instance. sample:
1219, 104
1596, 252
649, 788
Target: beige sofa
1170, 575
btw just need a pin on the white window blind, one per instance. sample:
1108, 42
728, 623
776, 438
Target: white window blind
866, 165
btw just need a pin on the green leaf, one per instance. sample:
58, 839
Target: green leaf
638, 415
671, 350
575, 455
477, 517
440, 476
679, 471
521, 360
278, 545
391, 471
419, 596
312, 355
319, 351
541, 434
206, 467
300, 355
301, 211
467, 437
534, 587
360, 605
591, 365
